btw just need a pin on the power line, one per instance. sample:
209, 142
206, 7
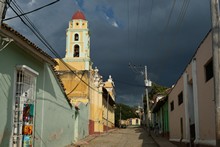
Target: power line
129, 84
166, 26
182, 13
136, 33
74, 88
137, 30
42, 39
32, 10
179, 22
136, 68
128, 37
151, 9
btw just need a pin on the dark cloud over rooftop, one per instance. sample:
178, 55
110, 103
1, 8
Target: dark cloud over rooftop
137, 32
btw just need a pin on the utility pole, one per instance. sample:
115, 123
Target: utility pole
3, 9
120, 118
216, 64
147, 84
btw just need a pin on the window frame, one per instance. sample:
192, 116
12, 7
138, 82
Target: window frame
76, 37
208, 69
180, 98
172, 105
75, 49
24, 99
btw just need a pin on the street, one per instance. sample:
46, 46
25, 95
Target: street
129, 137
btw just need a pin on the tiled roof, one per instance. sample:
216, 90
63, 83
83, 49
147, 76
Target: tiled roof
79, 15
38, 50
35, 47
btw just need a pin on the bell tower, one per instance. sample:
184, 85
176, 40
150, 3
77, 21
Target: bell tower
78, 43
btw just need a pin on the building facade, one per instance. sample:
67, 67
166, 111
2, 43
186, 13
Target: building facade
108, 104
75, 70
191, 102
160, 115
32, 97
82, 83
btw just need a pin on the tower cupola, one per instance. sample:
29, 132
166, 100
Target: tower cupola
78, 42
79, 15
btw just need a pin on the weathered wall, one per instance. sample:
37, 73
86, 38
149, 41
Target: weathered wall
81, 122
177, 113
54, 119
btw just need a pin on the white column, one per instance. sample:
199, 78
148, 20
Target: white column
195, 97
186, 107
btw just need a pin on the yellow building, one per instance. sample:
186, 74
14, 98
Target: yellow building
102, 104
96, 112
75, 68
83, 83
109, 104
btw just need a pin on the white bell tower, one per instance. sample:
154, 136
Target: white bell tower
78, 43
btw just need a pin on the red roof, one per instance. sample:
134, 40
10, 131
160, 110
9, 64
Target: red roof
79, 15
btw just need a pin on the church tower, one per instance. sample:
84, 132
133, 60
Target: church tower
78, 43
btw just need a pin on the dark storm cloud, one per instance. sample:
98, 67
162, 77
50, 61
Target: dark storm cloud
124, 32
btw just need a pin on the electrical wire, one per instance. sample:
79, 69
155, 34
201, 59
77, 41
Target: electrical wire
129, 84
74, 88
32, 10
182, 13
136, 69
162, 35
150, 14
41, 38
179, 23
136, 33
137, 28
128, 37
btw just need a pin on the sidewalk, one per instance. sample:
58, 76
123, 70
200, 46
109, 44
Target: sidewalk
162, 141
89, 138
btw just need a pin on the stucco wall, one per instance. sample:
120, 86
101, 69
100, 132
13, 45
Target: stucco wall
199, 95
54, 113
205, 92
54, 119
177, 113
82, 122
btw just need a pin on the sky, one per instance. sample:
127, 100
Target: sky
125, 35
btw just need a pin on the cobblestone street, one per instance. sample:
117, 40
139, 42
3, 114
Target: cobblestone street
129, 137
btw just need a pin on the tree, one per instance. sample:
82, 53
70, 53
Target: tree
157, 89
126, 113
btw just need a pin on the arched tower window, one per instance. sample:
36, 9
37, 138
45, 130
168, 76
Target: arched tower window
76, 51
76, 37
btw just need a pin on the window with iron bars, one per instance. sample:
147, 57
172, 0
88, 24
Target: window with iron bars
24, 108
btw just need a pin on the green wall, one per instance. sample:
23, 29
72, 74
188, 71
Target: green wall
166, 117
54, 119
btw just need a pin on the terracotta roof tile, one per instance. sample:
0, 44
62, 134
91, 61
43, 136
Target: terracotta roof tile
79, 15
36, 48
